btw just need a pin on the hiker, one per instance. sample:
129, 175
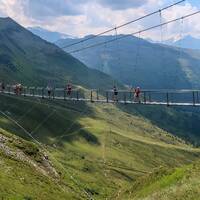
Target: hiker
69, 89
137, 94
115, 93
49, 90
2, 86
18, 89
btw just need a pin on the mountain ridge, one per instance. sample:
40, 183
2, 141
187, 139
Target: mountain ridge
188, 42
50, 36
26, 58
136, 61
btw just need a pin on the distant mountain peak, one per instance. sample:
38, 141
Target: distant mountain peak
5, 18
50, 36
8, 23
189, 37
189, 42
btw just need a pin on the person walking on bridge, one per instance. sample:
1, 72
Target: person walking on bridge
69, 89
137, 93
49, 91
115, 94
18, 89
2, 86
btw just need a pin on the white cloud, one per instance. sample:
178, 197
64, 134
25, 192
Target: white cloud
82, 17
185, 26
122, 5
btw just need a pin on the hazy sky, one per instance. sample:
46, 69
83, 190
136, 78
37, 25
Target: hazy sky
83, 17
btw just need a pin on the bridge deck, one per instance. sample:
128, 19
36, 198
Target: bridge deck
194, 101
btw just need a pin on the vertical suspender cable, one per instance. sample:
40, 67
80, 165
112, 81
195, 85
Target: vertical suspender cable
176, 77
162, 63
137, 59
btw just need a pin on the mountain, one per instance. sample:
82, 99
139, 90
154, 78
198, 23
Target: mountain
188, 42
26, 58
47, 35
139, 62
83, 148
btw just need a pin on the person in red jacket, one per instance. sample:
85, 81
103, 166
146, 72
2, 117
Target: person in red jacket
137, 94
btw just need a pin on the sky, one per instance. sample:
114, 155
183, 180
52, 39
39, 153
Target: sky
83, 17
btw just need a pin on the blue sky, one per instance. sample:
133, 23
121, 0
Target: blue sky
83, 17
195, 3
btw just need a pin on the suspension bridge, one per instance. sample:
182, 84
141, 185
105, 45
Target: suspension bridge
147, 97
183, 97
163, 97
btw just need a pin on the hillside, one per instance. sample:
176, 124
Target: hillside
138, 62
179, 183
27, 58
25, 173
104, 148
181, 122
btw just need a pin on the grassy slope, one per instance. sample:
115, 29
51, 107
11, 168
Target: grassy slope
105, 148
21, 179
182, 122
180, 184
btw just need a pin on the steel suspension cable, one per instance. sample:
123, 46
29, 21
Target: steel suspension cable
117, 54
176, 78
137, 52
131, 34
89, 197
122, 25
161, 43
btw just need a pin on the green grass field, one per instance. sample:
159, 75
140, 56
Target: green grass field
98, 150
180, 184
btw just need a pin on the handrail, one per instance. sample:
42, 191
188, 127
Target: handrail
148, 97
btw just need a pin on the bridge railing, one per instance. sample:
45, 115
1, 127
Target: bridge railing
124, 96
174, 96
163, 96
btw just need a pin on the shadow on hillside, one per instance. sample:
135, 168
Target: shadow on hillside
81, 134
46, 119
181, 122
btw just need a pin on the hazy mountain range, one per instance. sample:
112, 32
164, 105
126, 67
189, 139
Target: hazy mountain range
188, 42
139, 62
49, 36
